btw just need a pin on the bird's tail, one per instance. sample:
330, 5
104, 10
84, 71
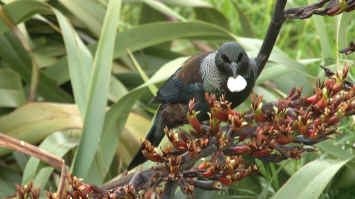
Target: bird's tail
154, 136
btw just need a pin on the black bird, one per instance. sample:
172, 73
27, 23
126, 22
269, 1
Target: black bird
227, 71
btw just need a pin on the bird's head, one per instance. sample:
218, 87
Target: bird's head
233, 62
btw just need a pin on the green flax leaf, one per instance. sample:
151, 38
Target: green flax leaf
35, 121
116, 117
98, 93
57, 144
79, 60
310, 181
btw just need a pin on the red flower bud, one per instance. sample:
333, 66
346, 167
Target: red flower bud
242, 138
204, 165
259, 116
312, 99
211, 99
262, 152
209, 172
191, 117
214, 126
321, 104
241, 149
225, 180
333, 120
312, 133
285, 140
337, 87
154, 157
345, 71
259, 138
220, 114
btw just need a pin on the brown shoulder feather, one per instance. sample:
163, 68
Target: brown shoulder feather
190, 70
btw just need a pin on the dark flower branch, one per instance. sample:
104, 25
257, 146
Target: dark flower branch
219, 152
334, 7
214, 154
349, 50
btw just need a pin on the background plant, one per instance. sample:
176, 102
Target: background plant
45, 45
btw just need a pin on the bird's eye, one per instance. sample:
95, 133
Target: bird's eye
226, 59
240, 56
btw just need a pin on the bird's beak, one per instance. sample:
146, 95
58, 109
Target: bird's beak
236, 83
234, 69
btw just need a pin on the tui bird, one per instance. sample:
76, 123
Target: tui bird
227, 71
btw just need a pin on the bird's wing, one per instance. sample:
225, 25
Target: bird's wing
183, 84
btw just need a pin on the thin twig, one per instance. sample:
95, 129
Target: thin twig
29, 149
61, 186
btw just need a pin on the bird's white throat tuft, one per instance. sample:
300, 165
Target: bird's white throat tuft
236, 84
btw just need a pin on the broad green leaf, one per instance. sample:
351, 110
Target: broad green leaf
155, 33
271, 71
244, 21
333, 150
98, 93
321, 29
20, 11
211, 15
117, 89
310, 181
130, 140
161, 7
11, 98
35, 121
90, 12
11, 90
152, 34
200, 194
342, 39
21, 34
79, 60
309, 61
116, 117
190, 3
21, 159
147, 15
267, 95
6, 188
43, 176
278, 56
57, 144
150, 15
16, 57
153, 89
8, 178
252, 47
